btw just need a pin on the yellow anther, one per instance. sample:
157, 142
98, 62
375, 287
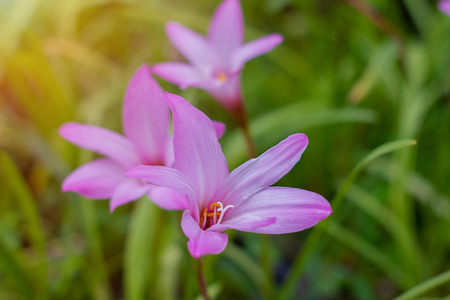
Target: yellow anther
222, 77
211, 207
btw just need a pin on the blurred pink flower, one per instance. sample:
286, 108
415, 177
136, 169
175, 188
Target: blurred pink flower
243, 199
145, 118
215, 62
444, 6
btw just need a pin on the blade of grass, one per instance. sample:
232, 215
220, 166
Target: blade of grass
12, 264
420, 13
16, 21
276, 125
98, 273
287, 288
425, 286
139, 258
402, 234
14, 181
253, 270
366, 250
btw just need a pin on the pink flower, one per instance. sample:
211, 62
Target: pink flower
215, 62
444, 6
243, 199
145, 119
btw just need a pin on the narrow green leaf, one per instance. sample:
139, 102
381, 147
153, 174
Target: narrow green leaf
289, 285
366, 250
13, 180
277, 125
250, 268
11, 263
425, 286
139, 256
98, 274
15, 22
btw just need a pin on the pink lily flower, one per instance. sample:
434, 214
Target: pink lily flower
145, 118
444, 6
243, 199
215, 62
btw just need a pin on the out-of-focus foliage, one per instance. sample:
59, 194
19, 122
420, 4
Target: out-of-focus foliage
352, 75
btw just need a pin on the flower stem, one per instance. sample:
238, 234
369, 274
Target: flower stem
201, 279
240, 114
248, 140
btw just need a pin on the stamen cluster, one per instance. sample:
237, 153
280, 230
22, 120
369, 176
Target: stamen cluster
215, 215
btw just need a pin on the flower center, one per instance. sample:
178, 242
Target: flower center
214, 215
222, 77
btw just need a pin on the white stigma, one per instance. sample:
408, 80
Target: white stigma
222, 211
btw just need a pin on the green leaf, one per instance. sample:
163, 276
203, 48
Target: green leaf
140, 248
16, 184
12, 263
425, 286
291, 119
366, 250
300, 261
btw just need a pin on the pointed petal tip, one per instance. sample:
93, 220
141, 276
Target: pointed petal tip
172, 98
111, 207
172, 24
143, 68
302, 137
65, 128
277, 38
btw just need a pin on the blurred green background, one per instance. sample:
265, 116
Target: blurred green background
353, 75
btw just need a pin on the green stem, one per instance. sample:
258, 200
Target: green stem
98, 275
425, 286
201, 279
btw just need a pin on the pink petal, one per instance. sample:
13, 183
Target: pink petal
293, 209
101, 140
95, 180
193, 46
220, 128
166, 177
197, 151
146, 117
129, 190
170, 159
444, 6
262, 171
226, 31
255, 48
202, 242
167, 198
181, 74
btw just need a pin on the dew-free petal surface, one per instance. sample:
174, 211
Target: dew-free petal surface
146, 116
255, 48
97, 179
193, 46
129, 190
101, 140
167, 199
262, 171
202, 242
226, 31
181, 74
197, 151
294, 210
166, 177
